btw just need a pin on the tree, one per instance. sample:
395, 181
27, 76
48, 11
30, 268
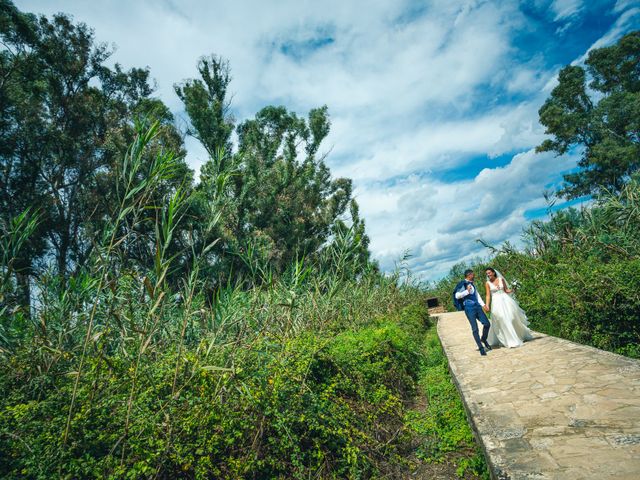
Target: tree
597, 109
206, 103
274, 193
286, 197
64, 119
347, 254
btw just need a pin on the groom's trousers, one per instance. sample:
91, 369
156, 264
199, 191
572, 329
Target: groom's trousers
475, 313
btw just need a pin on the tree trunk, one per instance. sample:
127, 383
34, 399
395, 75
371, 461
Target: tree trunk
24, 292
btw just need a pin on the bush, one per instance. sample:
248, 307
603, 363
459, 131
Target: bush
579, 276
315, 402
441, 425
124, 371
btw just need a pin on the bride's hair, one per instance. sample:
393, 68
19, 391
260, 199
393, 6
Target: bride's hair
491, 270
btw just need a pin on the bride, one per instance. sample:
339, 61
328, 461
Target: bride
508, 320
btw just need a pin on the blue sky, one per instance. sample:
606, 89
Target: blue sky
433, 104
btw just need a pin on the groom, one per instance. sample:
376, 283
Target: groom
466, 297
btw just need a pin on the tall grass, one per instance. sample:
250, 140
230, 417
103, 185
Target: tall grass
119, 373
12, 242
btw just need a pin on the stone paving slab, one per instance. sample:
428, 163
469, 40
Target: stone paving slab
551, 409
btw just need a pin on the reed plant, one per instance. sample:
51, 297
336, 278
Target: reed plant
120, 373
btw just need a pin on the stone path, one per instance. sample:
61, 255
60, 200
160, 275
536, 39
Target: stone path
551, 409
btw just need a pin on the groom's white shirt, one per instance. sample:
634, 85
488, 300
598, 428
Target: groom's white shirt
465, 292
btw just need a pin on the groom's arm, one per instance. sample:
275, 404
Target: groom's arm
462, 294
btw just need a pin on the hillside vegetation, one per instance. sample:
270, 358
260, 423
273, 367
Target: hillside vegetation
118, 374
579, 274
152, 326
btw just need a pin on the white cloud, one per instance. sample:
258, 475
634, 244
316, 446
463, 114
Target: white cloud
413, 91
439, 223
565, 9
629, 18
622, 5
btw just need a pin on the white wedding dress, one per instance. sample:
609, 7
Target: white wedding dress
508, 321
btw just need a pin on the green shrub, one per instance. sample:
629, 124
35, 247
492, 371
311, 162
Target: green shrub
579, 277
322, 403
442, 425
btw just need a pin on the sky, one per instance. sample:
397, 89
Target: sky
433, 103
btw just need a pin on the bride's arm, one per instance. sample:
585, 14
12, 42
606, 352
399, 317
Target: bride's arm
504, 286
487, 295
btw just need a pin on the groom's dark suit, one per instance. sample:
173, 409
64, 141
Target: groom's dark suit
473, 310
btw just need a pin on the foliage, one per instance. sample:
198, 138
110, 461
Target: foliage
119, 374
66, 118
276, 196
206, 103
578, 276
316, 403
601, 117
442, 424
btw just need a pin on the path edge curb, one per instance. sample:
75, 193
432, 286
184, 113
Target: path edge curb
495, 472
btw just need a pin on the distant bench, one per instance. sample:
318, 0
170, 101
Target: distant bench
433, 306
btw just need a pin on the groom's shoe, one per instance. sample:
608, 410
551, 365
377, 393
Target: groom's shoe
486, 345
482, 352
